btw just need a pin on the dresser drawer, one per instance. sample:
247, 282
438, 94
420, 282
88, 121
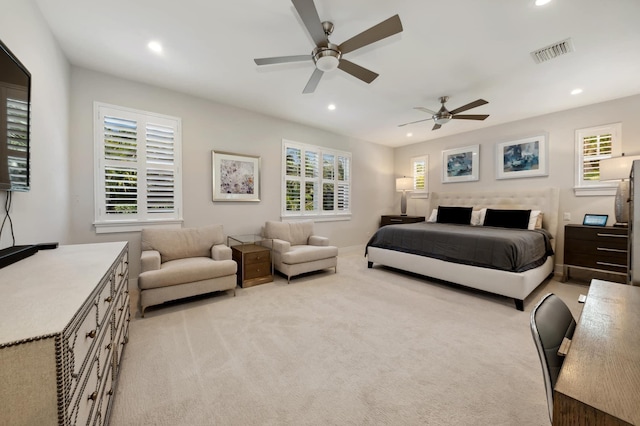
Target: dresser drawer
83, 403
105, 302
256, 270
82, 339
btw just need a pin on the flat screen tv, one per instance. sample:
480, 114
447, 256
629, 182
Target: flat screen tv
15, 100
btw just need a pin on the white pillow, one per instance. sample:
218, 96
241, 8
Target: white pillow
434, 216
533, 219
477, 217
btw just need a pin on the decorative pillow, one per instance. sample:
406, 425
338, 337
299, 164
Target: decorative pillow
457, 215
533, 219
434, 216
507, 218
477, 217
539, 221
182, 243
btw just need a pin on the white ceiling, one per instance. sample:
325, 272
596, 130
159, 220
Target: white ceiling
466, 49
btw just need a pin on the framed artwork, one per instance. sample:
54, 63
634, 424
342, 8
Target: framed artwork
461, 164
522, 158
236, 177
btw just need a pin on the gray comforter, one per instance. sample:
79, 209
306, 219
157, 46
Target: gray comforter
514, 250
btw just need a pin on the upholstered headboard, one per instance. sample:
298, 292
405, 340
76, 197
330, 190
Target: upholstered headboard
546, 200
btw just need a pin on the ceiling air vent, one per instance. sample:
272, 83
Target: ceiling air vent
552, 51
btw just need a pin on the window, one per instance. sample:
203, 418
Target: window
420, 173
316, 181
592, 145
138, 169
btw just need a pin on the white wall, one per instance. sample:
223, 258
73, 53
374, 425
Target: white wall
42, 214
208, 126
560, 128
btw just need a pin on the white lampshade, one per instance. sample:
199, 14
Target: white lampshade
616, 168
404, 184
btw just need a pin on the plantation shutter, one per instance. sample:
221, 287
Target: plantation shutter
120, 171
344, 183
317, 181
419, 171
160, 164
293, 168
17, 136
595, 148
138, 167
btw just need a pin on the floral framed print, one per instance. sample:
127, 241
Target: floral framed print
522, 158
461, 164
236, 177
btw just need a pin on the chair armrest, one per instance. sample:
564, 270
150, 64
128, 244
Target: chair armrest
220, 252
149, 260
316, 240
281, 246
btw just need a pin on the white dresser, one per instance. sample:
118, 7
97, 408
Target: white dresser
64, 322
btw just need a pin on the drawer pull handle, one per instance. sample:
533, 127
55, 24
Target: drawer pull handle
108, 299
74, 375
93, 396
612, 235
108, 347
611, 264
613, 250
121, 274
91, 334
110, 392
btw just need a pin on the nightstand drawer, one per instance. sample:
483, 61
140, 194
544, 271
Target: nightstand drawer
397, 220
255, 270
257, 257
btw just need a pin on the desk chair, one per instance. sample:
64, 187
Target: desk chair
551, 322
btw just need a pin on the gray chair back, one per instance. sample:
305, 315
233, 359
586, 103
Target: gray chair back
551, 322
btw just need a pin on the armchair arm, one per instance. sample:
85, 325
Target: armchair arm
281, 246
316, 240
220, 252
149, 260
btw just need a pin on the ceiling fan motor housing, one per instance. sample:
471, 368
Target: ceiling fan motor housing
327, 57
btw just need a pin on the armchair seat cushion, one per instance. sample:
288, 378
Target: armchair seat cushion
182, 271
307, 253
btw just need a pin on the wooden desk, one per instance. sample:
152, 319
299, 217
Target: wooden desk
599, 383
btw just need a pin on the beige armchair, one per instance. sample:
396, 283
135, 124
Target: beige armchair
296, 250
178, 263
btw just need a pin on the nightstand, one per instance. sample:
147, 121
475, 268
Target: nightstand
397, 219
253, 259
595, 248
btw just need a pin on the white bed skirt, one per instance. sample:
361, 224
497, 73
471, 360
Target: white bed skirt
517, 285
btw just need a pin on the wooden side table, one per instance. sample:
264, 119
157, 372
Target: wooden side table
595, 248
398, 219
254, 260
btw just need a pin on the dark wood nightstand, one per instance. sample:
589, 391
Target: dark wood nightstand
596, 248
398, 219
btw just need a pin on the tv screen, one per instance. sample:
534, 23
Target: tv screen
15, 98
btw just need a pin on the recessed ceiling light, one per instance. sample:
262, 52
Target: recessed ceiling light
409, 135
331, 107
576, 91
155, 46
542, 2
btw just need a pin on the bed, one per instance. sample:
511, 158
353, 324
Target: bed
516, 283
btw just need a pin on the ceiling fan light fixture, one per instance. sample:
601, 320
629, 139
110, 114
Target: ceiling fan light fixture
326, 58
442, 119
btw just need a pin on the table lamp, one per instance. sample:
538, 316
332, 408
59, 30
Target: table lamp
619, 168
404, 184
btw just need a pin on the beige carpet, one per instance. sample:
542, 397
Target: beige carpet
360, 347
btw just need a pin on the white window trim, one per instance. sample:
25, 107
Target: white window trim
581, 188
316, 215
420, 193
103, 225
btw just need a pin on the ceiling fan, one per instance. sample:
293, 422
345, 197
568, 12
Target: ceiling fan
328, 56
444, 115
